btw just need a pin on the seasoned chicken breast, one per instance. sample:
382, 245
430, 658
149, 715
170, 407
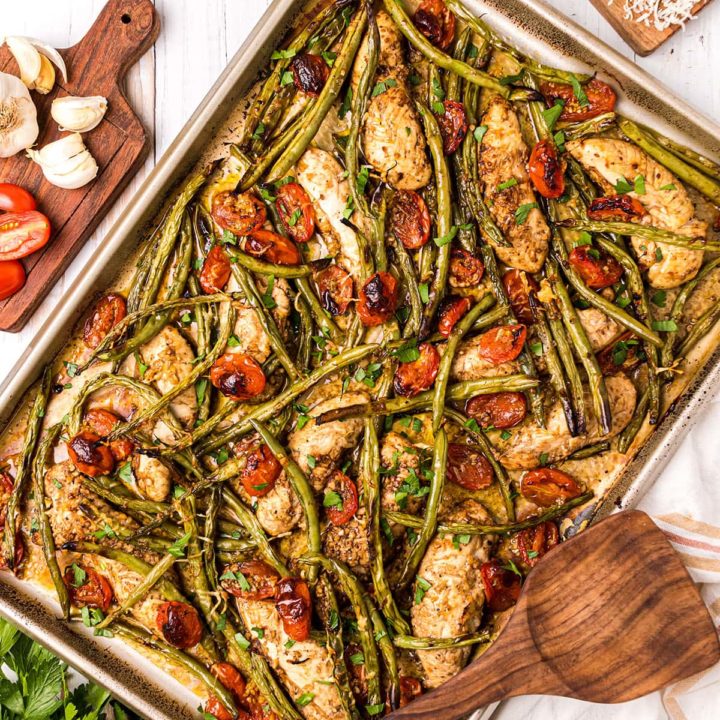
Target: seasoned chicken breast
350, 543
600, 329
502, 159
153, 477
468, 364
279, 511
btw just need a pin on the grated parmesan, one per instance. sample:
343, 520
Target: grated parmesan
662, 14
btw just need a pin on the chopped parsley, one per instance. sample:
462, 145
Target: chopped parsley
578, 91
521, 214
552, 115
177, 549
479, 132
382, 86
507, 184
664, 325
445, 239
283, 54
421, 587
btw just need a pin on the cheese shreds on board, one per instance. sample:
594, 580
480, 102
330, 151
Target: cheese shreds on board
661, 14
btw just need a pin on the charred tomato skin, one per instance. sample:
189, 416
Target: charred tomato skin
261, 578
347, 490
468, 467
498, 410
548, 486
520, 287
502, 344
596, 268
453, 125
261, 471
502, 586
233, 681
179, 624
534, 542
335, 288
94, 592
546, 170
378, 299
412, 378
410, 219
237, 376
109, 310
466, 270
601, 99
310, 73
273, 248
624, 208
215, 271
435, 21
90, 455
103, 422
452, 310
293, 603
238, 213
296, 211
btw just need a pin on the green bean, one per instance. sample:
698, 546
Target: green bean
699, 329
594, 126
590, 450
411, 642
628, 434
455, 82
123, 501
322, 317
261, 267
406, 271
387, 651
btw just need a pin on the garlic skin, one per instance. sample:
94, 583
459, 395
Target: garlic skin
18, 116
66, 163
78, 114
33, 58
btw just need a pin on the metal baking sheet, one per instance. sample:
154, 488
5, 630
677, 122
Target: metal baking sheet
531, 25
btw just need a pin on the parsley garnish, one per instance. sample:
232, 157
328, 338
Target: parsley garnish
421, 587
521, 214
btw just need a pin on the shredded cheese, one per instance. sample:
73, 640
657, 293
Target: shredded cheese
662, 14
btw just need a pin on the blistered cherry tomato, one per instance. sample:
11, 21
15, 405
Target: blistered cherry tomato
22, 233
410, 219
498, 410
179, 624
416, 376
519, 287
296, 211
502, 586
103, 422
90, 455
310, 73
620, 356
15, 199
215, 271
534, 542
453, 125
548, 486
465, 269
237, 376
12, 277
273, 248
93, 591
410, 688
452, 309
435, 21
600, 99
335, 287
261, 471
239, 213
502, 344
251, 580
378, 299
215, 708
616, 207
347, 490
595, 267
468, 467
231, 678
109, 310
292, 601
546, 170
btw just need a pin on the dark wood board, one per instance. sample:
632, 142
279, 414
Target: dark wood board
123, 31
641, 38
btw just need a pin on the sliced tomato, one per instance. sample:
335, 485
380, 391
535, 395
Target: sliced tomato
502, 586
109, 310
103, 422
595, 267
90, 455
296, 210
346, 489
12, 277
378, 299
601, 99
294, 606
310, 73
453, 125
498, 410
179, 624
452, 309
435, 21
468, 467
502, 344
335, 287
261, 471
22, 234
620, 356
519, 287
251, 580
215, 271
616, 207
466, 270
15, 199
416, 376
239, 213
534, 542
547, 486
273, 248
237, 376
87, 588
546, 170
410, 219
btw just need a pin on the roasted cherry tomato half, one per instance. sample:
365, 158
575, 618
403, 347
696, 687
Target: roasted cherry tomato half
435, 21
251, 580
15, 199
109, 310
502, 344
502, 586
519, 287
500, 410
261, 471
616, 207
103, 422
12, 277
453, 125
229, 676
595, 267
214, 708
465, 269
410, 688
468, 467
600, 99
546, 170
296, 211
452, 309
346, 490
90, 455
534, 542
310, 73
237, 376
239, 213
215, 271
378, 299
335, 288
410, 219
547, 486
416, 376
179, 624
22, 233
87, 588
273, 248
620, 356
292, 601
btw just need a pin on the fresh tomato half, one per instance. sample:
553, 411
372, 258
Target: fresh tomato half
595, 267
215, 271
180, 624
261, 471
109, 310
601, 99
453, 125
251, 580
335, 287
416, 376
534, 542
547, 486
616, 207
294, 606
502, 344
519, 287
273, 248
502, 585
378, 299
12, 277
466, 270
436, 22
239, 213
498, 410
296, 210
468, 467
237, 376
22, 234
345, 489
410, 219
15, 199
90, 455
546, 170
87, 588
452, 310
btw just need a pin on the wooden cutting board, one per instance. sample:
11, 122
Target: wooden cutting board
121, 34
641, 38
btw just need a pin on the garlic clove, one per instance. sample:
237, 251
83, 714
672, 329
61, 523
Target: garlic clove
66, 163
18, 116
57, 153
28, 59
81, 175
46, 79
50, 53
78, 114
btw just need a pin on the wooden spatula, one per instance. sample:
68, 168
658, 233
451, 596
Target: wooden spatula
608, 616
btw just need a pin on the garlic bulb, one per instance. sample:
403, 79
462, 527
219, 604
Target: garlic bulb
78, 114
33, 58
66, 163
18, 116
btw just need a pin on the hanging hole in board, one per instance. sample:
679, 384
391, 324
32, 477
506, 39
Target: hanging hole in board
125, 18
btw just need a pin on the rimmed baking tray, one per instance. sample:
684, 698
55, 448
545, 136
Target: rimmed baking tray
529, 24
